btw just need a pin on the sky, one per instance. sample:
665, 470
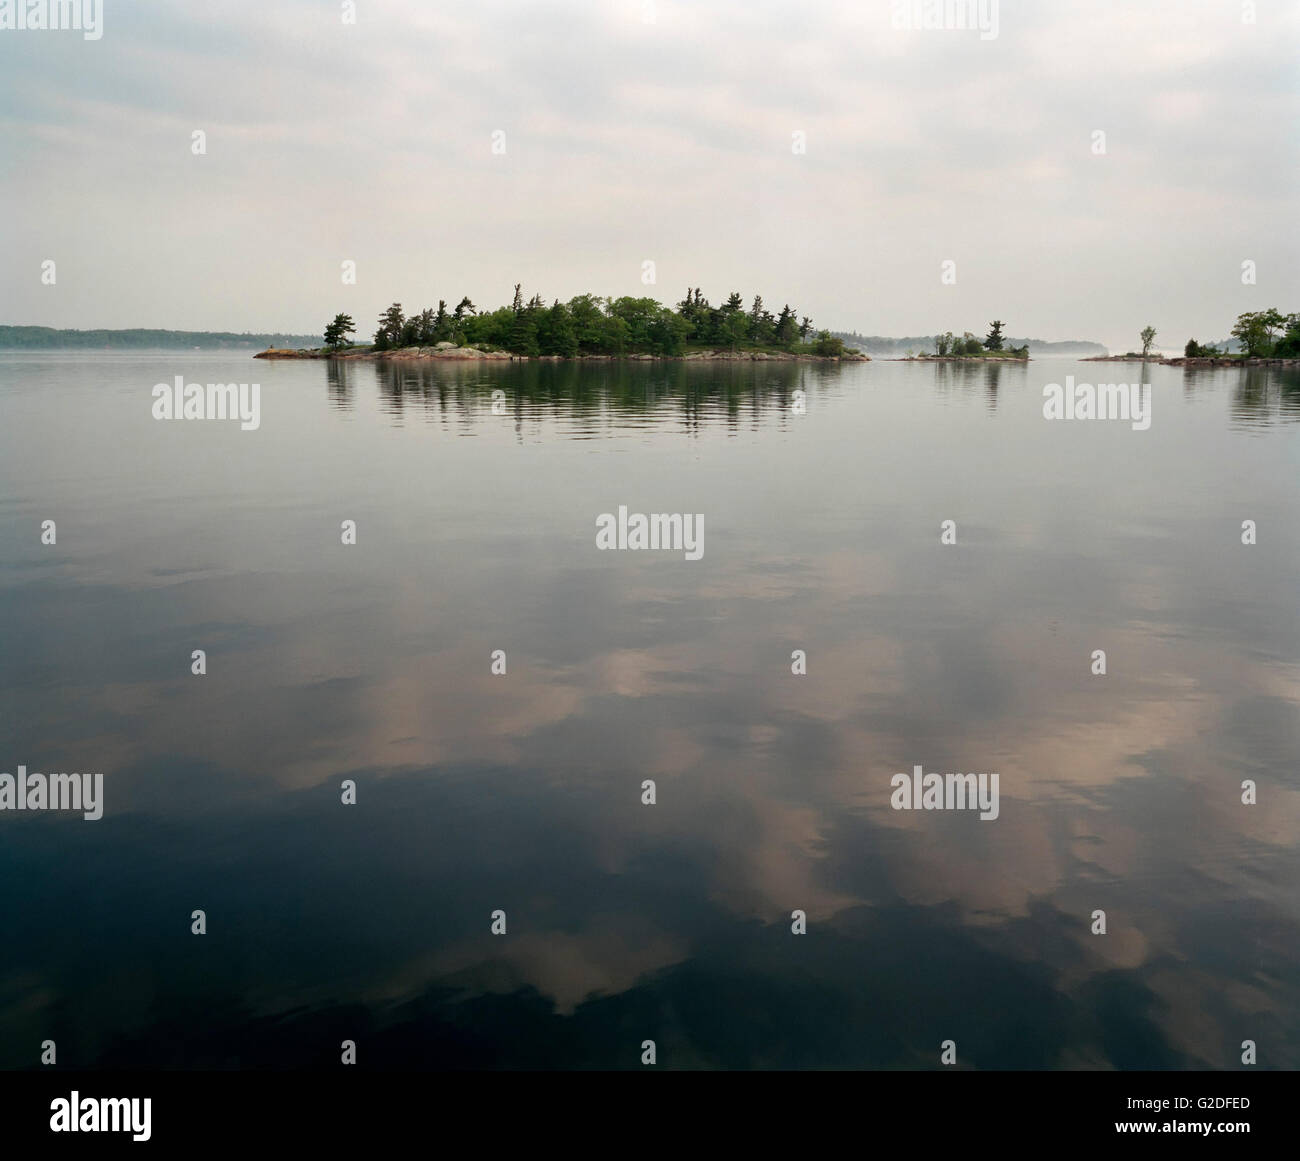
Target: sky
458, 148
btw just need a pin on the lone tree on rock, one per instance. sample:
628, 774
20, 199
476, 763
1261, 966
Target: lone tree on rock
1148, 337
336, 333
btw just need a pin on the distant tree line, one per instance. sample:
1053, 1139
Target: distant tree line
1265, 334
50, 338
969, 346
590, 325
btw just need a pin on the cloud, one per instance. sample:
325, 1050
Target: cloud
668, 139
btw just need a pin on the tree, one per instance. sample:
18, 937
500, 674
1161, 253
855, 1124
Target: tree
1254, 330
942, 344
523, 332
993, 340
588, 322
555, 333
390, 326
1148, 337
827, 345
336, 333
669, 332
786, 329
1288, 346
614, 334
490, 330
735, 329
440, 331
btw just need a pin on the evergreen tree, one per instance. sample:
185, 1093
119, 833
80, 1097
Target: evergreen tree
391, 323
336, 333
523, 334
556, 334
440, 331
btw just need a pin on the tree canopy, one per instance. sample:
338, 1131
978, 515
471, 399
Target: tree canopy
591, 325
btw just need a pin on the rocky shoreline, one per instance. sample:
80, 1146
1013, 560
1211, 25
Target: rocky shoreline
444, 351
1197, 361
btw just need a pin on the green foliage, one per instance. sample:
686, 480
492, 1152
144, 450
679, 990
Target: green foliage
523, 331
1255, 329
391, 324
1288, 346
1148, 337
827, 345
336, 332
590, 325
555, 332
947, 345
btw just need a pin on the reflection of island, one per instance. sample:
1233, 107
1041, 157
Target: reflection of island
579, 387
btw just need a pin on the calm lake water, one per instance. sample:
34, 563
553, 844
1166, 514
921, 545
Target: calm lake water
523, 792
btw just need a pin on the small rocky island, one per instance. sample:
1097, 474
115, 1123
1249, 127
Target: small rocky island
585, 327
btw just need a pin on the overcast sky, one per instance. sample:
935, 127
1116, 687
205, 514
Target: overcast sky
655, 131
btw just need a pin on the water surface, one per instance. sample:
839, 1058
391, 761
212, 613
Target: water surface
522, 792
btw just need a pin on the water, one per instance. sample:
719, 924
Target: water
522, 792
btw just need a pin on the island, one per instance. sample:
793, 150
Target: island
585, 327
1262, 338
949, 348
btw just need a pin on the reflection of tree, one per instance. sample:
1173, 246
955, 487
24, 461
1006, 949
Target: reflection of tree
390, 388
340, 378
687, 390
1266, 395
972, 374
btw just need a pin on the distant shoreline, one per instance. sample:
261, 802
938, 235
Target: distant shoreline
472, 354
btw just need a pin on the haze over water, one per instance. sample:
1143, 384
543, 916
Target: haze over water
476, 532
